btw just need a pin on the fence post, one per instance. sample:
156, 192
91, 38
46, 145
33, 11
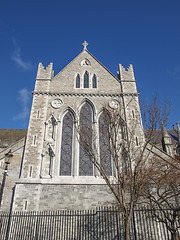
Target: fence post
134, 225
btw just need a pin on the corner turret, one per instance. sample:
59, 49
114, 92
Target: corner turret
43, 78
166, 141
177, 131
126, 75
45, 73
127, 79
131, 104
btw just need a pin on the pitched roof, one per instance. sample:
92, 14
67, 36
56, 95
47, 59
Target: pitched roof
157, 136
9, 136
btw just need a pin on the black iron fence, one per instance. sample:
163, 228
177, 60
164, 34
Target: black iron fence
101, 224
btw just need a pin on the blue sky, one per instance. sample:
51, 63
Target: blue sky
144, 33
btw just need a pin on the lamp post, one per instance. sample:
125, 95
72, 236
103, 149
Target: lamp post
8, 158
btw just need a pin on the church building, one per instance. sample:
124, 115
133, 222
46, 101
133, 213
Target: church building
52, 170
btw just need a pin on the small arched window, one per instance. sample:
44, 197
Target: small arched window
30, 171
133, 113
38, 114
94, 81
34, 141
86, 79
78, 81
137, 141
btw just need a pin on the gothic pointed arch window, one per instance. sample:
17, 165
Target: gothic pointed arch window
94, 81
86, 120
66, 145
78, 81
86, 79
104, 142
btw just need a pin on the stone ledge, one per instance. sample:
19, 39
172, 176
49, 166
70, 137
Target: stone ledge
64, 181
84, 94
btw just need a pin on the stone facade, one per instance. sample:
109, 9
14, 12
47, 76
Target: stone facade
41, 184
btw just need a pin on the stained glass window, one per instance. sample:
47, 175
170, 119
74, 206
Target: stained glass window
66, 145
78, 81
94, 81
104, 143
85, 164
86, 80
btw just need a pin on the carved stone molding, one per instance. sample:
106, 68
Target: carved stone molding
85, 62
85, 94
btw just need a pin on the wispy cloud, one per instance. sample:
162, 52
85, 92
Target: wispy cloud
24, 97
16, 57
174, 71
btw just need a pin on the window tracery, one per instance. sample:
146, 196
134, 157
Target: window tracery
86, 116
104, 142
66, 145
85, 62
85, 166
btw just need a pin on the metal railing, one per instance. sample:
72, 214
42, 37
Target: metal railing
105, 223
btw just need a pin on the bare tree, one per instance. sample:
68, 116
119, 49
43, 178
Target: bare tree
162, 192
162, 188
118, 157
154, 114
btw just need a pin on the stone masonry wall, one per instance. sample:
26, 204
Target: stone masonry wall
56, 197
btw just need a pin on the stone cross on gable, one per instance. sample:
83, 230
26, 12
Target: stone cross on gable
85, 44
